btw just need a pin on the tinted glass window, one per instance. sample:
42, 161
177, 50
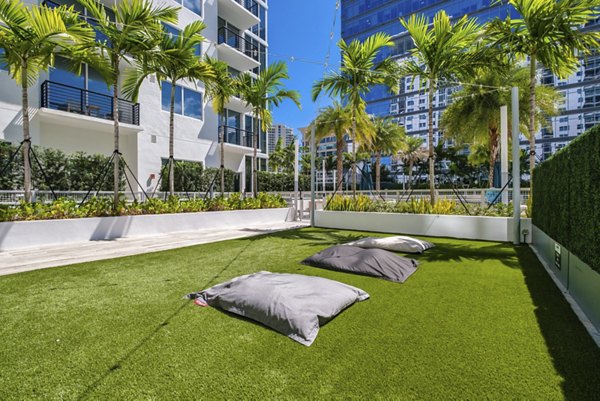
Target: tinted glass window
193, 103
166, 98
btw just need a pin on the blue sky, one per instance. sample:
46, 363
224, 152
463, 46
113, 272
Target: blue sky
301, 29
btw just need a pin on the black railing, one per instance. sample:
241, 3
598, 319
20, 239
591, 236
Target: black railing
80, 101
233, 39
249, 5
236, 136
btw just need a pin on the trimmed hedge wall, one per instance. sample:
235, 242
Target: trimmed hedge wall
566, 197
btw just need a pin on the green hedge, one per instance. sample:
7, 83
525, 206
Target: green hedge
274, 182
566, 197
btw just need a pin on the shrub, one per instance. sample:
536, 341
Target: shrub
277, 182
566, 197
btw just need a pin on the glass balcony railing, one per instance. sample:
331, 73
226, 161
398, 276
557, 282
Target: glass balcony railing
80, 101
241, 44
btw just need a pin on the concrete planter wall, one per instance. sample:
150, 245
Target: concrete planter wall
580, 281
26, 234
465, 227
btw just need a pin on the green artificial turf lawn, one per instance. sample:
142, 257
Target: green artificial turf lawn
478, 320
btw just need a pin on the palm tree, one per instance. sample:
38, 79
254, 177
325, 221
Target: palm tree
358, 74
334, 120
474, 117
276, 158
173, 60
389, 140
443, 51
136, 29
412, 152
262, 94
31, 37
221, 89
548, 32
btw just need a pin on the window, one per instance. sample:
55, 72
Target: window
194, 6
174, 33
187, 101
2, 65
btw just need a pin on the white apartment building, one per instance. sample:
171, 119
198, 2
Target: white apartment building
277, 131
73, 113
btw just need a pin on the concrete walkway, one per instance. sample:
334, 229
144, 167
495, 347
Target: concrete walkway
40, 258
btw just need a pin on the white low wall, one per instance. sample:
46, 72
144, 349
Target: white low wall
27, 234
466, 227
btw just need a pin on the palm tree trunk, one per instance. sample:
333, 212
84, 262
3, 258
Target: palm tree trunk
255, 157
431, 154
378, 172
116, 159
222, 134
171, 140
339, 157
354, 151
410, 171
532, 75
26, 135
493, 154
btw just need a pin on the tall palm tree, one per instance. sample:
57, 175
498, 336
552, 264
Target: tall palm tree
442, 51
360, 71
412, 152
548, 32
31, 37
262, 94
135, 29
334, 120
474, 117
389, 140
173, 60
220, 90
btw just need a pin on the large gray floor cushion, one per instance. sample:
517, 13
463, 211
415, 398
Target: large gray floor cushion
397, 243
372, 262
292, 304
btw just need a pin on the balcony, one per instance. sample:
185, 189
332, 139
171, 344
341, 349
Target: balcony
239, 137
241, 13
56, 96
236, 50
100, 37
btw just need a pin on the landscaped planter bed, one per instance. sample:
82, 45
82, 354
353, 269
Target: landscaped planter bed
454, 226
27, 234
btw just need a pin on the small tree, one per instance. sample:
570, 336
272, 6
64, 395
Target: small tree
442, 50
31, 37
173, 60
389, 140
136, 29
262, 94
221, 89
334, 120
358, 74
474, 117
547, 32
412, 152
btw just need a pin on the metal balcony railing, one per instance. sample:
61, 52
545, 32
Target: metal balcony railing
236, 136
241, 44
80, 101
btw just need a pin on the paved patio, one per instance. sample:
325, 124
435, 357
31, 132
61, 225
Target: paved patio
23, 260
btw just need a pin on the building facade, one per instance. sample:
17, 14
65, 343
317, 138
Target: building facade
276, 132
73, 113
579, 110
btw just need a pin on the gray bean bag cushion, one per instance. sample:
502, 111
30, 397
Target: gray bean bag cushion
372, 262
397, 243
292, 304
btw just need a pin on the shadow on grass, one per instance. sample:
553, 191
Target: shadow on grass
140, 344
575, 355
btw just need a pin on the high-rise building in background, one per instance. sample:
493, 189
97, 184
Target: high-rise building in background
279, 131
579, 110
73, 112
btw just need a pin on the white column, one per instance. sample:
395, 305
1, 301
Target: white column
312, 176
515, 167
296, 150
504, 151
324, 187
